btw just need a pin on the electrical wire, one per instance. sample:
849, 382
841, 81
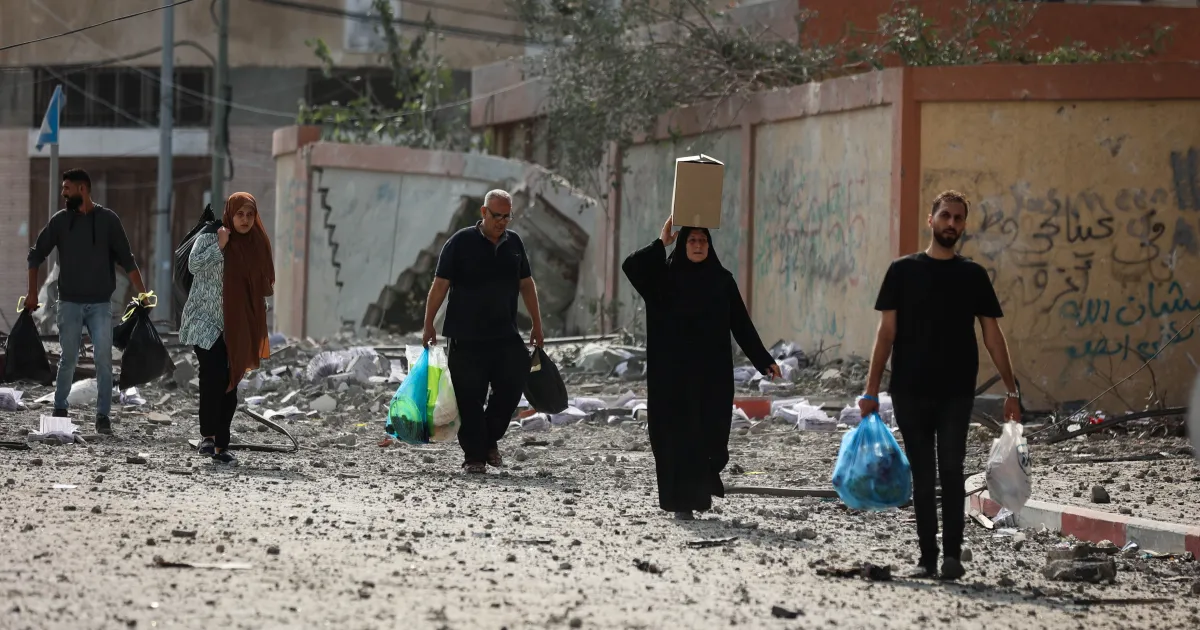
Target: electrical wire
91, 26
470, 33
118, 60
1118, 383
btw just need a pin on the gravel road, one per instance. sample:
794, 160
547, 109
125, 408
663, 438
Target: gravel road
365, 536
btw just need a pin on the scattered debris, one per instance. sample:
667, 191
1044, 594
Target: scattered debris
714, 542
779, 612
220, 566
1091, 569
646, 566
866, 570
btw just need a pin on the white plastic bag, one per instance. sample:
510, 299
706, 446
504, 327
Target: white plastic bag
83, 393
10, 399
446, 420
1008, 469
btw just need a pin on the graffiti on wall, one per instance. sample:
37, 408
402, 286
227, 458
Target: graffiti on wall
822, 228
810, 235
1092, 272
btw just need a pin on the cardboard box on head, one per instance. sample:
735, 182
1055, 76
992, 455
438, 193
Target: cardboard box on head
696, 201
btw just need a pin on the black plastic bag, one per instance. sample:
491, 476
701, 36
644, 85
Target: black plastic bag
144, 357
183, 275
25, 356
545, 389
122, 331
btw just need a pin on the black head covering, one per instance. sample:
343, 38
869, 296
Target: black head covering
692, 284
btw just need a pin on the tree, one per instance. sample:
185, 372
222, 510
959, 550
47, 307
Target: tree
429, 115
611, 72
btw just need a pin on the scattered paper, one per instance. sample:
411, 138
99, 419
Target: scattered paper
286, 412
50, 424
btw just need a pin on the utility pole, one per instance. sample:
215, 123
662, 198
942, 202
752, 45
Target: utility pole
163, 252
48, 134
220, 141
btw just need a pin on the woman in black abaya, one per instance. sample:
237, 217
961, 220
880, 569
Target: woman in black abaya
692, 305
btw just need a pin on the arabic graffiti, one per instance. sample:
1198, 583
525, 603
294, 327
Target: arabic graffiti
1020, 231
809, 236
1129, 346
1133, 311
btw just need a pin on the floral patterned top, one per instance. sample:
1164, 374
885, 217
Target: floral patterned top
203, 316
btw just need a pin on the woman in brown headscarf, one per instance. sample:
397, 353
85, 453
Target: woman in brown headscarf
225, 317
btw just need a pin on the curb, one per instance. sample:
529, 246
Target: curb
1095, 526
756, 407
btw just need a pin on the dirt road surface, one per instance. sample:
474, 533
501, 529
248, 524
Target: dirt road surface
361, 536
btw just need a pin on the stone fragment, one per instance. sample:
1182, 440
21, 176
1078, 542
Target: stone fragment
1092, 570
324, 404
1100, 495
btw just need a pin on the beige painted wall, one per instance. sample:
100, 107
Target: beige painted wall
822, 228
288, 243
646, 193
1087, 217
259, 35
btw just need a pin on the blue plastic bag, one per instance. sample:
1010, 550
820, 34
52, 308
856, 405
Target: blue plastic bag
409, 418
424, 409
872, 472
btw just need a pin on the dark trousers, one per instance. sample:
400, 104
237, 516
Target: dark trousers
935, 439
217, 406
502, 365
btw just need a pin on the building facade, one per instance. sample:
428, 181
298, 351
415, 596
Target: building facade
110, 75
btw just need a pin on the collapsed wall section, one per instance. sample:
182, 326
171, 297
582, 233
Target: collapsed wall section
369, 230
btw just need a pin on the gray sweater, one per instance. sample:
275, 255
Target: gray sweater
88, 246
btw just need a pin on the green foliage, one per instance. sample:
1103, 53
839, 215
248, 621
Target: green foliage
421, 82
909, 36
611, 73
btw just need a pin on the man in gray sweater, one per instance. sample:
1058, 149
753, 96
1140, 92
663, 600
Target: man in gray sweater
89, 239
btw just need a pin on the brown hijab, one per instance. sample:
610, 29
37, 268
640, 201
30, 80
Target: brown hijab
249, 279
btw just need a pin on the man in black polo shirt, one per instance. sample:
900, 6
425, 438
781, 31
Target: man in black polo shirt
929, 303
483, 268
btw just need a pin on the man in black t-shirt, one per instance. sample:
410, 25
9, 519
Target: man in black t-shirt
929, 303
483, 268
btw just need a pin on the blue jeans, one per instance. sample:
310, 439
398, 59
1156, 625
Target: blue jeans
72, 317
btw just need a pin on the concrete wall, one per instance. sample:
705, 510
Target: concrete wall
1086, 216
1087, 188
254, 169
646, 192
373, 225
354, 221
823, 238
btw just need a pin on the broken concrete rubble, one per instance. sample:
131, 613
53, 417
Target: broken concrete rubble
1093, 570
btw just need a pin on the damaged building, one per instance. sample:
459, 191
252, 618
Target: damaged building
359, 230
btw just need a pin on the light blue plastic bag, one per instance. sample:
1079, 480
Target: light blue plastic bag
872, 472
409, 418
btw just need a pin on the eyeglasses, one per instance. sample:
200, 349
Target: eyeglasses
500, 217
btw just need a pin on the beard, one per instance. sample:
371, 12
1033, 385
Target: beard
946, 240
74, 202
